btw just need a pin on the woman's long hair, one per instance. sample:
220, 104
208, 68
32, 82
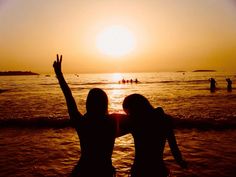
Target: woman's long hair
97, 102
136, 104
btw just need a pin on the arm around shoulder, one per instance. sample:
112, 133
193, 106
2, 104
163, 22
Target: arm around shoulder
122, 123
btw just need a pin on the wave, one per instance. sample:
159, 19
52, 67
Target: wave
140, 82
45, 122
49, 84
144, 82
93, 83
3, 90
183, 81
217, 89
39, 122
202, 124
103, 88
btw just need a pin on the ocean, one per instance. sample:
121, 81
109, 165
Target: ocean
37, 140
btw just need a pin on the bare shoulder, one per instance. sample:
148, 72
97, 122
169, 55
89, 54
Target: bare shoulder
159, 111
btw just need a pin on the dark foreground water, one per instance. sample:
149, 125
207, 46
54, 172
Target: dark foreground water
54, 152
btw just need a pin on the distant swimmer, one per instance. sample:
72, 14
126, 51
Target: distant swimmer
229, 86
212, 84
123, 81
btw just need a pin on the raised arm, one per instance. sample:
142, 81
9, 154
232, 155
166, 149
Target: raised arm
71, 104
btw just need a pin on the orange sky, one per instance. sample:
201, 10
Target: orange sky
170, 35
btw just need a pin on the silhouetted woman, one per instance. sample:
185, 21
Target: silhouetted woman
96, 130
150, 129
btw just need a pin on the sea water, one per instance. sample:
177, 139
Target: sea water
36, 139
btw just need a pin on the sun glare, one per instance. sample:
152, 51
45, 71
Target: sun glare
116, 77
115, 41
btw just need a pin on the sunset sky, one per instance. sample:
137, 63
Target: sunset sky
159, 35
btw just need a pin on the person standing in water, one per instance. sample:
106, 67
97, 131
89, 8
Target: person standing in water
96, 129
229, 84
150, 129
212, 84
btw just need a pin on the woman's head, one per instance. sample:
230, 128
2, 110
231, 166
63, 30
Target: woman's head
136, 104
97, 102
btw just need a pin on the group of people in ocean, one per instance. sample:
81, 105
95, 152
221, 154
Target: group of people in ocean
123, 81
97, 130
213, 84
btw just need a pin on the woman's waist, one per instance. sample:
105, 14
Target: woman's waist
147, 157
150, 168
149, 162
96, 160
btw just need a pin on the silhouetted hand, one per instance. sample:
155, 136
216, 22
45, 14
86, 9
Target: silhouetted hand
57, 65
183, 164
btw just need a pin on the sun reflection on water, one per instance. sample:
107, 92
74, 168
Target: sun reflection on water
116, 77
115, 100
116, 93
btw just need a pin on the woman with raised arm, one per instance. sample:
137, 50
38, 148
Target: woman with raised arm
96, 130
150, 129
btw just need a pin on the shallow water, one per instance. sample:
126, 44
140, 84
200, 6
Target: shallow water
54, 152
36, 139
185, 96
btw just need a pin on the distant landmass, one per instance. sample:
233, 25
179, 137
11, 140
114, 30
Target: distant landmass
204, 70
180, 71
17, 73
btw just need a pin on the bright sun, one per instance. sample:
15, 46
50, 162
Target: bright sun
115, 41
